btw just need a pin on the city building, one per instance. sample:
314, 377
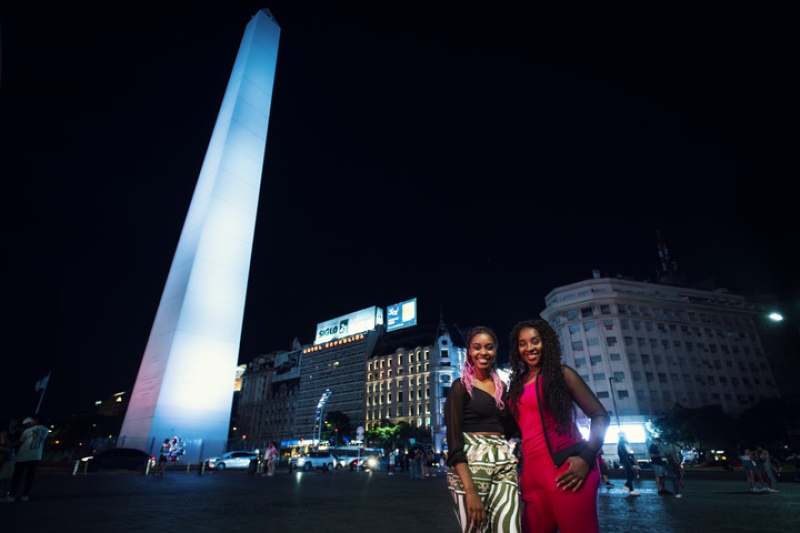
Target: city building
644, 347
357, 368
409, 377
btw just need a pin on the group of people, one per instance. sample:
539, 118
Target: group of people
20, 455
758, 468
555, 486
665, 466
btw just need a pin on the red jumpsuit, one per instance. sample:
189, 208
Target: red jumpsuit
548, 508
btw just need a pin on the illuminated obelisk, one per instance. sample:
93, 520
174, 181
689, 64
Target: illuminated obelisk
186, 379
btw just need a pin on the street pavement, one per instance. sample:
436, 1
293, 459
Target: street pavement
344, 501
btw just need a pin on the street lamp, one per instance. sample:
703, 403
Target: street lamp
320, 409
611, 381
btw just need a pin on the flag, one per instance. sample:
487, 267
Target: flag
42, 383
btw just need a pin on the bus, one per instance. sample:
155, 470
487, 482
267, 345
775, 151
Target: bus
346, 454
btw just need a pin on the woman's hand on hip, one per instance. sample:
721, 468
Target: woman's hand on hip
575, 475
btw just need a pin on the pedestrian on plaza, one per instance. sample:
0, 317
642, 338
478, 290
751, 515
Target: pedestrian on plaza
764, 469
9, 438
794, 459
658, 463
29, 455
272, 458
163, 457
603, 469
674, 465
422, 457
673, 474
413, 464
747, 458
560, 474
482, 474
628, 462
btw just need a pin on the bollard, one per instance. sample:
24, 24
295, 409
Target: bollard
188, 467
147, 468
201, 469
75, 470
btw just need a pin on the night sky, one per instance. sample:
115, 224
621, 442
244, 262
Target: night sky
472, 158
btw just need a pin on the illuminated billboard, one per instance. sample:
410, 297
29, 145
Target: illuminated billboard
402, 315
344, 326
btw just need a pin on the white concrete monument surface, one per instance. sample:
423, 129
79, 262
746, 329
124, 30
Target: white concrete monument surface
186, 379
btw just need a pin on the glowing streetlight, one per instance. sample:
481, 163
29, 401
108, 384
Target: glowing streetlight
775, 317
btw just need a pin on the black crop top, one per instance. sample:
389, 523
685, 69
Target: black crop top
476, 414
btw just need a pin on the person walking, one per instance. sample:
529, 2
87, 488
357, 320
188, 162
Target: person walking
747, 458
794, 459
560, 474
482, 470
8, 454
163, 457
657, 463
628, 462
272, 458
603, 469
764, 469
29, 455
672, 471
392, 460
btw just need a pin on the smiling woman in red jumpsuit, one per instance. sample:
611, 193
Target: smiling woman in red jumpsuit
560, 475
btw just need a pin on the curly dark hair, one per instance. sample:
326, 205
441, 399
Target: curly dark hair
556, 397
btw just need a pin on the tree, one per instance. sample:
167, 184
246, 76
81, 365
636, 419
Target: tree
336, 427
707, 427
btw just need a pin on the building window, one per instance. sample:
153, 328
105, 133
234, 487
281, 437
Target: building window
586, 312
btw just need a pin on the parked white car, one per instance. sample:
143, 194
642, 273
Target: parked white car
237, 459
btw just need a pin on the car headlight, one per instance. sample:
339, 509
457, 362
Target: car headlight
87, 458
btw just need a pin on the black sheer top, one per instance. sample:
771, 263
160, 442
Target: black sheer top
476, 414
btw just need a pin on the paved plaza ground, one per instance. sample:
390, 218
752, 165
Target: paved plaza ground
344, 501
